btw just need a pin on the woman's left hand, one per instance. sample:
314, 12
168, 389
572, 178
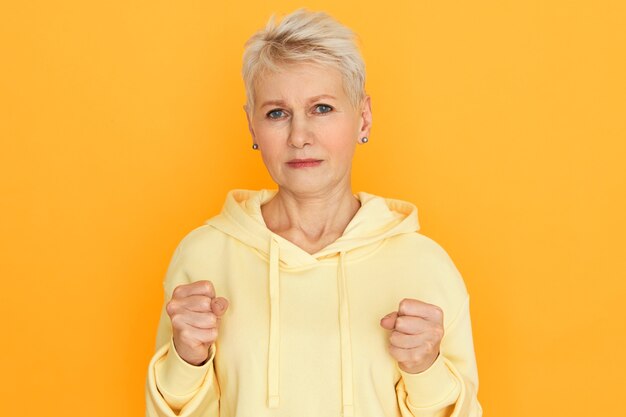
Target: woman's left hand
416, 333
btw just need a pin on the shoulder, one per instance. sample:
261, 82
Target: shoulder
197, 251
203, 244
199, 241
421, 247
435, 272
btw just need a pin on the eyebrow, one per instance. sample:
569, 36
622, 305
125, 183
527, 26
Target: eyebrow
282, 103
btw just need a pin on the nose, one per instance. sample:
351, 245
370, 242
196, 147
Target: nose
300, 133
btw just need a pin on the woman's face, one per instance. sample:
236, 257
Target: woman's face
307, 128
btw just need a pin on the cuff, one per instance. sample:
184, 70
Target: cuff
176, 378
431, 386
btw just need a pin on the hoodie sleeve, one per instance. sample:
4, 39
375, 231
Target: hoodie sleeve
175, 388
449, 387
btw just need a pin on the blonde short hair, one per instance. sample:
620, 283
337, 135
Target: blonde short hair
304, 36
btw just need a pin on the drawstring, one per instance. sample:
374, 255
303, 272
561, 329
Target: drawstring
346, 344
273, 398
273, 372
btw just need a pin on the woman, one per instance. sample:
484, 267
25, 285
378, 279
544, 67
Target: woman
311, 300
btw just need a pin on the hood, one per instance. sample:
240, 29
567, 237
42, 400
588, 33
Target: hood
376, 220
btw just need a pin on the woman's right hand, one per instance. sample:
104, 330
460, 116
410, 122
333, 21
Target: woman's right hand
195, 313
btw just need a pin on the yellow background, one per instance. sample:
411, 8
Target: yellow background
122, 130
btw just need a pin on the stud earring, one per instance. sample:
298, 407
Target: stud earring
364, 140
255, 146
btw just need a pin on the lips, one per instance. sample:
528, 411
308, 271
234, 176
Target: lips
304, 163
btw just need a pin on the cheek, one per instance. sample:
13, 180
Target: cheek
342, 139
270, 147
268, 138
267, 132
263, 132
270, 155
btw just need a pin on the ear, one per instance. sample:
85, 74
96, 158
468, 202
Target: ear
365, 117
248, 117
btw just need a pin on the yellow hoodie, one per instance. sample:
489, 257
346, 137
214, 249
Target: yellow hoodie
301, 336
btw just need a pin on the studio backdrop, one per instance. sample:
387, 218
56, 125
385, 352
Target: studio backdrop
122, 129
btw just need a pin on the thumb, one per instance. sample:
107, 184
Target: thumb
389, 321
219, 305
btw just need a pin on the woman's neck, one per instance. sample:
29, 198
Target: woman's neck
310, 222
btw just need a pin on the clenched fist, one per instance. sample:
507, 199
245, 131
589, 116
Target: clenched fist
195, 313
416, 333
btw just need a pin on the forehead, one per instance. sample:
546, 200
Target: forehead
298, 82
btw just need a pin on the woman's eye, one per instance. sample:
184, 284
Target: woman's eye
275, 114
323, 108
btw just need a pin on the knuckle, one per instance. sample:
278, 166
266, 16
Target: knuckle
177, 321
177, 291
209, 336
430, 346
394, 352
185, 335
203, 337
416, 356
213, 333
439, 332
172, 307
204, 304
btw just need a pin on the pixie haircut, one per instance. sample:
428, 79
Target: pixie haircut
304, 37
